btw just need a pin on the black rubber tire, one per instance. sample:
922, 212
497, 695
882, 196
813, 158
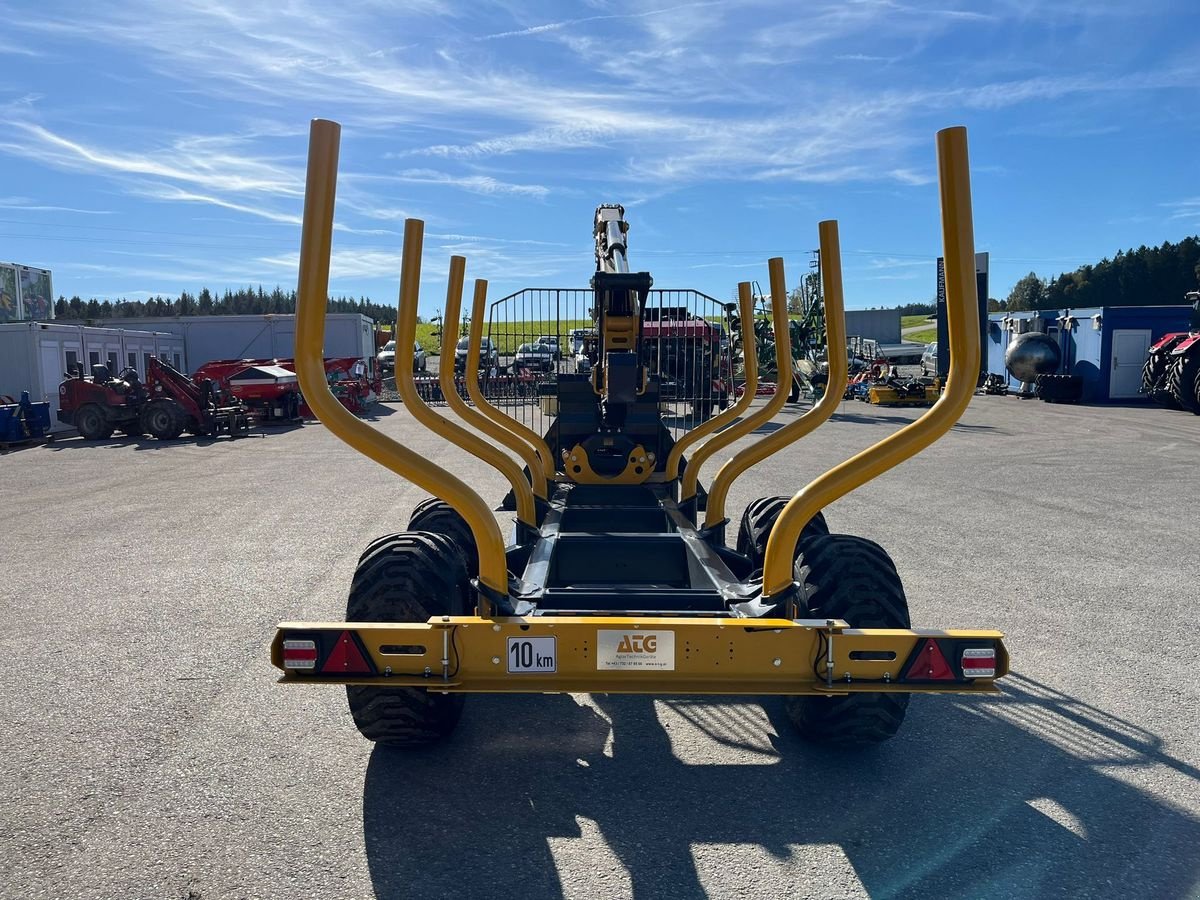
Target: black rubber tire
164, 419
406, 577
851, 578
92, 423
794, 391
1181, 380
1153, 372
439, 517
757, 522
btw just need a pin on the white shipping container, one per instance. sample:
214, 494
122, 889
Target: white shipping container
207, 338
34, 356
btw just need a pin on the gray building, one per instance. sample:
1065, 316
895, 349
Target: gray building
35, 355
882, 325
206, 338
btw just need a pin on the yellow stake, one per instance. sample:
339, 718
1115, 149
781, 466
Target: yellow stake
962, 321
746, 311
316, 239
783, 363
835, 387
522, 432
481, 449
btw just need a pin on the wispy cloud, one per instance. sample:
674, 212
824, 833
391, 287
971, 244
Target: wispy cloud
8, 48
568, 23
194, 160
24, 204
476, 184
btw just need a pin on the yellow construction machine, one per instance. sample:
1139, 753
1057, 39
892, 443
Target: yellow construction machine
617, 577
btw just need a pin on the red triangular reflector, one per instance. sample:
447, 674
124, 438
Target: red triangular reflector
346, 658
930, 664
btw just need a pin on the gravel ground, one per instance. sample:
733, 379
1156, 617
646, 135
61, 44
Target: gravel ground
147, 752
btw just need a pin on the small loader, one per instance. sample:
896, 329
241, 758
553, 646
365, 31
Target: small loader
617, 576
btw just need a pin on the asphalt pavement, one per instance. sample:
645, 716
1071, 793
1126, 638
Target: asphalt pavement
146, 750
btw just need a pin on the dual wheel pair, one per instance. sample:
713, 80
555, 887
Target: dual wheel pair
164, 419
1173, 381
423, 572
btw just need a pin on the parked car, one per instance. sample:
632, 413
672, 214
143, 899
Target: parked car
489, 355
386, 358
551, 341
929, 361
539, 357
578, 337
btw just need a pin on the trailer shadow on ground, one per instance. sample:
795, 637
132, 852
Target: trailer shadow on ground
1039, 807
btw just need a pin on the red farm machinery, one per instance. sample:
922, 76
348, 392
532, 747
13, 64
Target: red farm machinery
1171, 375
269, 386
165, 405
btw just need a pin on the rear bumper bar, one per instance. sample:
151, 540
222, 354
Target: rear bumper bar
626, 654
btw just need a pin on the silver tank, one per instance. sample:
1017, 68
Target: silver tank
1032, 354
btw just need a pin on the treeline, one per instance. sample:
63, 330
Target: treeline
1147, 276
245, 301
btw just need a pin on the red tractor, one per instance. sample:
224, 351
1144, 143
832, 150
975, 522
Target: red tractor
165, 405
1171, 375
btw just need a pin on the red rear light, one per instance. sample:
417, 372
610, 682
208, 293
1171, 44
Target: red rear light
346, 658
299, 654
930, 664
979, 662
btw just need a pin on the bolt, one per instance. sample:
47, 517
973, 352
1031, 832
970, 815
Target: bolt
495, 628
495, 660
777, 662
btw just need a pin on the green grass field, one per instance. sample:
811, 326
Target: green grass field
509, 336
922, 337
912, 321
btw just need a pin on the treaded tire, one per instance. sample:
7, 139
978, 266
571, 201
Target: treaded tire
92, 424
164, 419
439, 517
1181, 380
758, 520
851, 578
406, 577
1153, 372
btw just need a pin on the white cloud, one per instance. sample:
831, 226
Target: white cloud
476, 184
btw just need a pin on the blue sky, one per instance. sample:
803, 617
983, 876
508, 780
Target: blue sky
156, 147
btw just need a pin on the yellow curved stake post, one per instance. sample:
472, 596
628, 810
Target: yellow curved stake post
493, 456
522, 432
406, 334
746, 311
835, 387
478, 414
783, 363
962, 320
313, 290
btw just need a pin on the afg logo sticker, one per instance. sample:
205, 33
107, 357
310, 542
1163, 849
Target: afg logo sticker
635, 650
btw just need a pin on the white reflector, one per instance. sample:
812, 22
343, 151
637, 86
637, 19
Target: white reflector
979, 662
299, 654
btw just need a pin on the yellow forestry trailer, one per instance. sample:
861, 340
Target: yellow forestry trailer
617, 577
